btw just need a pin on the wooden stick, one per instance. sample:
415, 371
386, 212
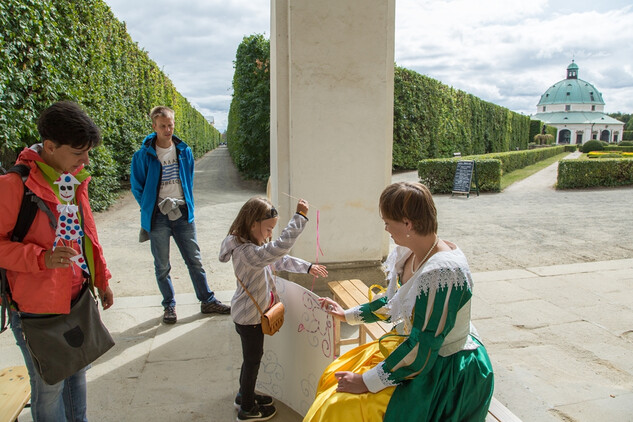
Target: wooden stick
294, 197
290, 196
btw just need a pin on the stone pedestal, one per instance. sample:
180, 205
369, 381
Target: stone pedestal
332, 122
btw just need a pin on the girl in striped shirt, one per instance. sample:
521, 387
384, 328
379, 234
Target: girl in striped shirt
255, 259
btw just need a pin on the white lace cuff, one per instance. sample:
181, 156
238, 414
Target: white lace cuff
377, 379
352, 316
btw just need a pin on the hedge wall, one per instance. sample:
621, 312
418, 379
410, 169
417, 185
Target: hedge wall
433, 120
514, 160
438, 174
248, 131
592, 173
78, 50
618, 148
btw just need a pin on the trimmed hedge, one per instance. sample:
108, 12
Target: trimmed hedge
514, 160
536, 128
622, 148
78, 51
592, 145
592, 173
433, 120
248, 131
438, 174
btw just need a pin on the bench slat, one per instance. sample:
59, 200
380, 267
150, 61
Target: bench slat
359, 296
500, 413
15, 392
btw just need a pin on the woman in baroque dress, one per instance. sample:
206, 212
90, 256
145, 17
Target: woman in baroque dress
432, 366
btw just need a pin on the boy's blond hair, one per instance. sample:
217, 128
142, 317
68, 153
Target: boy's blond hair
161, 111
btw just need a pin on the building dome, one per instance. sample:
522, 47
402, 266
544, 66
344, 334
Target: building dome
571, 91
576, 109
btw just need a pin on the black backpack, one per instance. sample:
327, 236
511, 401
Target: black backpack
28, 209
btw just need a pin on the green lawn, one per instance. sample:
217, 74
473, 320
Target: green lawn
515, 176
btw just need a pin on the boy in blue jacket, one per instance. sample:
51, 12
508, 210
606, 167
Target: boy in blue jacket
162, 183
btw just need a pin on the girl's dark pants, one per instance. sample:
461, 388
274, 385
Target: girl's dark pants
252, 351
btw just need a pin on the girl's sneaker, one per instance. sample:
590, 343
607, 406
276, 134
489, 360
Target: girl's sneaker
257, 413
260, 400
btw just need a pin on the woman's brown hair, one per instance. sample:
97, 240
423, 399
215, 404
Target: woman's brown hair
412, 201
254, 210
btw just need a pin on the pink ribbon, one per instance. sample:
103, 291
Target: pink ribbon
318, 246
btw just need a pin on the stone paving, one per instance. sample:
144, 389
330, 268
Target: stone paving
558, 325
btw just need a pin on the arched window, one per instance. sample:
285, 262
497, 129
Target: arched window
564, 136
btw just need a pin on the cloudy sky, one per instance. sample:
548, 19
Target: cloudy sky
504, 51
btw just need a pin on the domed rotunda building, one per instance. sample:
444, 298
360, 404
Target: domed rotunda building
576, 108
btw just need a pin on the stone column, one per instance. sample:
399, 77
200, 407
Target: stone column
332, 122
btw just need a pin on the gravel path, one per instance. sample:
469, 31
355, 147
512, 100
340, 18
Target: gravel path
529, 224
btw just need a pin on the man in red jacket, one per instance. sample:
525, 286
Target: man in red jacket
43, 280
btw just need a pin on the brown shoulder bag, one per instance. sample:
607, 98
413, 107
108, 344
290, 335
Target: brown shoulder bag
273, 318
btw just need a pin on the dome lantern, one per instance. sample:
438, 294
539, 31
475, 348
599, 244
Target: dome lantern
572, 71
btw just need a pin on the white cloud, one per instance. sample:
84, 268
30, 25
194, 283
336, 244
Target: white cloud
504, 51
510, 55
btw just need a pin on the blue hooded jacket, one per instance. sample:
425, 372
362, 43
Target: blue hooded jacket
146, 173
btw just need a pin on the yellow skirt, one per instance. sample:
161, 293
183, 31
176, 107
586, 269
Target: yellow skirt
331, 406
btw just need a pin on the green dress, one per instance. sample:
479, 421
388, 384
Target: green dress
440, 370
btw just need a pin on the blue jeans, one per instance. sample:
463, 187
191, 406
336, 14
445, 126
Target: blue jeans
64, 401
184, 234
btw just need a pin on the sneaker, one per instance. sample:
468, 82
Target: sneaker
215, 307
257, 413
169, 317
260, 400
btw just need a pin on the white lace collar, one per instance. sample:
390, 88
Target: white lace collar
441, 270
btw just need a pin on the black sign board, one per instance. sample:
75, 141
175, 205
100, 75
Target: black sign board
464, 176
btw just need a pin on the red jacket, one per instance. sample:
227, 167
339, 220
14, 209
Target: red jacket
34, 287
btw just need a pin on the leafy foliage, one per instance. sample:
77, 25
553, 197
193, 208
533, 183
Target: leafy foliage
248, 131
593, 173
543, 139
78, 51
433, 120
592, 145
438, 174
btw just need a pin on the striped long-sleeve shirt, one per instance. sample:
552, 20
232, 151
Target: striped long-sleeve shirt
254, 266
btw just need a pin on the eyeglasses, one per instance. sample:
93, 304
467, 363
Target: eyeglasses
271, 213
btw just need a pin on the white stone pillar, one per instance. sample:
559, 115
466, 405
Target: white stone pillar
332, 121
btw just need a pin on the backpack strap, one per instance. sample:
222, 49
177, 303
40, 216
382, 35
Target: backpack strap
30, 204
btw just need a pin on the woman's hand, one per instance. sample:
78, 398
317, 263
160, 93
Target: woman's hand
318, 270
303, 207
349, 382
107, 297
59, 258
332, 308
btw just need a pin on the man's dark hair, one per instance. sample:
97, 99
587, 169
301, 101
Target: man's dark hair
65, 123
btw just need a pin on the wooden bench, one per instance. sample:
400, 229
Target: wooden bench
351, 293
15, 392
